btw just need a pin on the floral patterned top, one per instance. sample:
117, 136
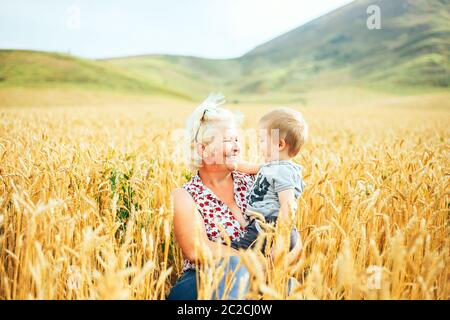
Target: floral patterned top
214, 211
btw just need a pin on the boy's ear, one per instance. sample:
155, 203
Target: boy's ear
282, 144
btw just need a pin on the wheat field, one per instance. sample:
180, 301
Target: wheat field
85, 210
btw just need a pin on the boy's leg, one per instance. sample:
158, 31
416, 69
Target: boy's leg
248, 239
293, 238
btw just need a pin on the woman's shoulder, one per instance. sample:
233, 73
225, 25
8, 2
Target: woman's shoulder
181, 197
179, 192
191, 189
192, 178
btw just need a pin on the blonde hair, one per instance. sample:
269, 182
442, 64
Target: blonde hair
291, 125
205, 117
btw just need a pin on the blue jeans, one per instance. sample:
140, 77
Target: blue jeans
185, 288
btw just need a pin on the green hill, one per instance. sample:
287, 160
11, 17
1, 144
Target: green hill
412, 50
190, 75
23, 68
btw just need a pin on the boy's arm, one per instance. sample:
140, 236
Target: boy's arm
246, 167
287, 202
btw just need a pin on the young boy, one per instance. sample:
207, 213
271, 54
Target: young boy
279, 183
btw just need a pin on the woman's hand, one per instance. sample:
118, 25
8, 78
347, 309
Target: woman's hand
190, 231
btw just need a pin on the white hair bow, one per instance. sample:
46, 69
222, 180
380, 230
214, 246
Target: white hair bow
210, 104
213, 101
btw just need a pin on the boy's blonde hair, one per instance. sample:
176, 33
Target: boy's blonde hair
291, 125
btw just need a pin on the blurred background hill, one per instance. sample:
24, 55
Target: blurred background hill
410, 54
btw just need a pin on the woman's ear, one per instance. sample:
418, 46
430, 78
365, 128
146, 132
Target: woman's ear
201, 150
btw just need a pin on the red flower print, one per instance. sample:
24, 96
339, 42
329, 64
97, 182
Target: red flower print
211, 207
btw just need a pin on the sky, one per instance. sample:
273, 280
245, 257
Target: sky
113, 28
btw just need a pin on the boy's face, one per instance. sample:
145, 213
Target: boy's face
268, 143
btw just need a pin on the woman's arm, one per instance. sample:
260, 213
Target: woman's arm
189, 230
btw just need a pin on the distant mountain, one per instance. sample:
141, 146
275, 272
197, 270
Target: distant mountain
412, 49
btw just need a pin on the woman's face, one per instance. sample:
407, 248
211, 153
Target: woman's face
225, 146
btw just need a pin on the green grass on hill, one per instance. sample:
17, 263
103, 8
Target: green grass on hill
411, 53
21, 68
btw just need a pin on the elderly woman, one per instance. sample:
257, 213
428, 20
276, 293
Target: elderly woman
214, 195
